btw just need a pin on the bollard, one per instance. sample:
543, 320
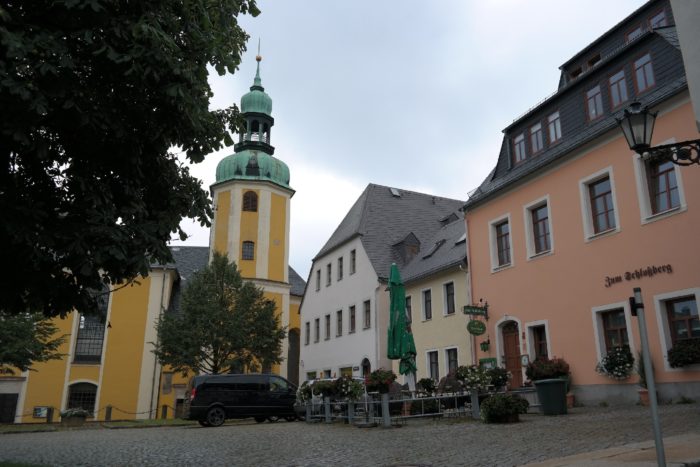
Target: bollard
327, 408
351, 412
475, 404
164, 411
308, 411
49, 415
108, 413
386, 416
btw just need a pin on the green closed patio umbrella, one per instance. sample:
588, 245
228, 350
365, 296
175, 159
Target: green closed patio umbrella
400, 344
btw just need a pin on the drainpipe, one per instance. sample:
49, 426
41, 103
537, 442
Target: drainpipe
155, 358
472, 340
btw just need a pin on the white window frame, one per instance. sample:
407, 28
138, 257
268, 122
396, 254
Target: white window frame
641, 176
352, 306
339, 323
554, 126
444, 298
327, 326
599, 332
493, 244
586, 211
662, 324
422, 304
447, 363
536, 144
529, 230
531, 339
427, 362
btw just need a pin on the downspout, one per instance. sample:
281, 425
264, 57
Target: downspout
472, 340
155, 357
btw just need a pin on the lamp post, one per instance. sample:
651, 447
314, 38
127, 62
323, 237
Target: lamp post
638, 126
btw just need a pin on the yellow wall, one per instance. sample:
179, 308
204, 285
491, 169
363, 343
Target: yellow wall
278, 233
249, 233
223, 207
294, 316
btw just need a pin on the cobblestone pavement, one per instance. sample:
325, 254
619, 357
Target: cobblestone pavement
423, 442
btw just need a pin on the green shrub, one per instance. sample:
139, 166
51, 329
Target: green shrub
547, 368
499, 376
325, 388
473, 376
684, 352
426, 385
503, 408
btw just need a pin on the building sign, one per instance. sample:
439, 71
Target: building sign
475, 310
649, 271
476, 328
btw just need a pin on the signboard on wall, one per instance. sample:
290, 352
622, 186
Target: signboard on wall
476, 328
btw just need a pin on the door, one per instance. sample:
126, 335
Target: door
8, 406
293, 359
511, 352
281, 396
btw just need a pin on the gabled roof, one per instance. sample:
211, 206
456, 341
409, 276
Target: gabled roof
448, 248
298, 284
382, 219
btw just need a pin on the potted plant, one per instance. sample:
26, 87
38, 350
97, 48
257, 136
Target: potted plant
348, 388
380, 380
325, 388
685, 352
503, 408
304, 393
499, 377
550, 376
617, 363
473, 377
74, 417
426, 386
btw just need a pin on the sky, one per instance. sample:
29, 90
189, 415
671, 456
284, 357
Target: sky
404, 93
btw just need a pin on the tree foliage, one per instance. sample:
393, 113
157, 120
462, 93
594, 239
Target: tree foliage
94, 94
224, 323
25, 339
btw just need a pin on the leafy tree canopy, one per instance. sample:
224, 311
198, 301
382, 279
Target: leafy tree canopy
94, 94
27, 338
225, 324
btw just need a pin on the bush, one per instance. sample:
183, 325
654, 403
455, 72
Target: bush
684, 352
547, 368
76, 412
503, 408
473, 377
499, 376
325, 388
617, 363
304, 392
380, 380
426, 385
349, 388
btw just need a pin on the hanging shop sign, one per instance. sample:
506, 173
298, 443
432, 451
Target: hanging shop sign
649, 271
476, 310
476, 328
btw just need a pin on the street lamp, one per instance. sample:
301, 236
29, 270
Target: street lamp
638, 125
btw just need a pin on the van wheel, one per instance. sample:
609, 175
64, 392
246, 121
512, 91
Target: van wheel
259, 419
216, 416
273, 418
204, 423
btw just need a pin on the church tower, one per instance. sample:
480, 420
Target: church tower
252, 205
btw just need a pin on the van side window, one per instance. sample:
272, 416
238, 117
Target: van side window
277, 384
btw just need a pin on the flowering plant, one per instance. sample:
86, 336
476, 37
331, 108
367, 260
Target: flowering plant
473, 376
547, 368
304, 393
617, 364
75, 412
380, 380
499, 376
350, 388
324, 387
426, 385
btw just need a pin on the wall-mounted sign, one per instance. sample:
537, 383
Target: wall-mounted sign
476, 328
475, 310
649, 271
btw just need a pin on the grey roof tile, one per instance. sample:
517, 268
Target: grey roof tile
298, 284
451, 252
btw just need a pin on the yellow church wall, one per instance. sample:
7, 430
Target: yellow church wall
278, 234
79, 372
249, 233
125, 345
45, 386
223, 207
294, 316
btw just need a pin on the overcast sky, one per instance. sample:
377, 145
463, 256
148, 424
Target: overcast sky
409, 94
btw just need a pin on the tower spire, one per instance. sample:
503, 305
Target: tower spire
257, 82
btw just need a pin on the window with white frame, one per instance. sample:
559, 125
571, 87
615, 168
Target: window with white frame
618, 89
519, 148
611, 324
451, 360
339, 323
351, 312
536, 141
554, 125
367, 314
594, 103
427, 304
677, 313
500, 243
317, 329
449, 289
644, 73
538, 227
328, 327
598, 204
659, 188
539, 341
433, 365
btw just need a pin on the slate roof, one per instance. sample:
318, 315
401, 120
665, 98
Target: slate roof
382, 219
504, 176
298, 284
451, 252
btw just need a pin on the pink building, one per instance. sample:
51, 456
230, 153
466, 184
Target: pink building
571, 220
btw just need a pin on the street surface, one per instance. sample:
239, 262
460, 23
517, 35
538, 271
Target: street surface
426, 442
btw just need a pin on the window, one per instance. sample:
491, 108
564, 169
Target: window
82, 396
339, 323
307, 333
602, 208
450, 298
503, 243
346, 371
614, 328
250, 201
576, 72
633, 34
328, 274
658, 20
663, 188
539, 341
536, 138
340, 268
353, 256
326, 373
368, 314
328, 327
554, 125
351, 311
540, 228
248, 250
318, 280
594, 103
433, 365
88, 344
683, 318
310, 375
427, 305
618, 89
644, 73
409, 312
451, 358
519, 148
317, 329
593, 61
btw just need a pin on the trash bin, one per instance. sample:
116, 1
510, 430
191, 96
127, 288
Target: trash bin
552, 396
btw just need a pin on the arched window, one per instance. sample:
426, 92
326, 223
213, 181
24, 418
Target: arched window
366, 367
250, 201
248, 250
82, 396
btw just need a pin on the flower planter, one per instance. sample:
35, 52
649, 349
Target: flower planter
551, 394
72, 421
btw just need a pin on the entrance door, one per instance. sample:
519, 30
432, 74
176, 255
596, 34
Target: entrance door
511, 351
8, 405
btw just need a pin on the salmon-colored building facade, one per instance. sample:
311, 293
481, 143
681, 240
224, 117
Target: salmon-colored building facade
571, 220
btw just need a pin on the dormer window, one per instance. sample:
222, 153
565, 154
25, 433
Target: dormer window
576, 72
593, 61
633, 34
658, 20
519, 148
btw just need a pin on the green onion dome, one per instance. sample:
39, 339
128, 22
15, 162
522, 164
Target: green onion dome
253, 165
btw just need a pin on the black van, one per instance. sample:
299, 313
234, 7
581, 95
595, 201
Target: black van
214, 398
